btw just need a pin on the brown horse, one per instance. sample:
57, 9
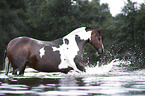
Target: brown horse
61, 55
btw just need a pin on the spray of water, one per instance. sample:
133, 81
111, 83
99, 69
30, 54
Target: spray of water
114, 66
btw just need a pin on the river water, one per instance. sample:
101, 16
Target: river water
110, 79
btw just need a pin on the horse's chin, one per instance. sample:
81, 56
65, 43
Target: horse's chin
99, 50
98, 53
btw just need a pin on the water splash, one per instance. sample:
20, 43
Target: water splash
114, 66
110, 67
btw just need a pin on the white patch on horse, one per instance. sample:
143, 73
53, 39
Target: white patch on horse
42, 52
81, 32
69, 51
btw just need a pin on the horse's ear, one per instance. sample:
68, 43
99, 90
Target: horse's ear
99, 30
88, 28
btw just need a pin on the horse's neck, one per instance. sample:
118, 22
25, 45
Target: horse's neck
81, 32
75, 41
78, 39
81, 45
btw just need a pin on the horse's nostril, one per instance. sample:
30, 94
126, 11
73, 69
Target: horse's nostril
100, 51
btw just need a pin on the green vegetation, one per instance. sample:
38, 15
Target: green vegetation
123, 35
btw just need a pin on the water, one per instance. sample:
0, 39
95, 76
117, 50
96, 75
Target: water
105, 80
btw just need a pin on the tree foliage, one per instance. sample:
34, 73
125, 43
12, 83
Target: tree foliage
126, 34
52, 19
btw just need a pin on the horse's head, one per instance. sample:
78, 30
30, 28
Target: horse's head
96, 40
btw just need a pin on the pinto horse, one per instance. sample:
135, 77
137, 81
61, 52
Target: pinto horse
61, 55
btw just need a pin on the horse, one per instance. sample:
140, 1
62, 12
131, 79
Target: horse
61, 55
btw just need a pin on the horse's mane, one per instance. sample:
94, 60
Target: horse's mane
76, 31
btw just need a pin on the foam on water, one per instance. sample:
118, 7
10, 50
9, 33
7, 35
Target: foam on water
105, 69
111, 67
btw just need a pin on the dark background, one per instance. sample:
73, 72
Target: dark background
123, 35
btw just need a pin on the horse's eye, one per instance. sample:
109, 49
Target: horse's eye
99, 38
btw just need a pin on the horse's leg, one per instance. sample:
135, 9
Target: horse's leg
19, 66
15, 71
79, 65
66, 70
19, 70
23, 70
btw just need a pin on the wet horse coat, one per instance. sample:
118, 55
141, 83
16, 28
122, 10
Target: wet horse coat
61, 55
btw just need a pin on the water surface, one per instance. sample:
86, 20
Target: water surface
105, 80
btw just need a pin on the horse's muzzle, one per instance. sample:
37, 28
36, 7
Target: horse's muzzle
100, 50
